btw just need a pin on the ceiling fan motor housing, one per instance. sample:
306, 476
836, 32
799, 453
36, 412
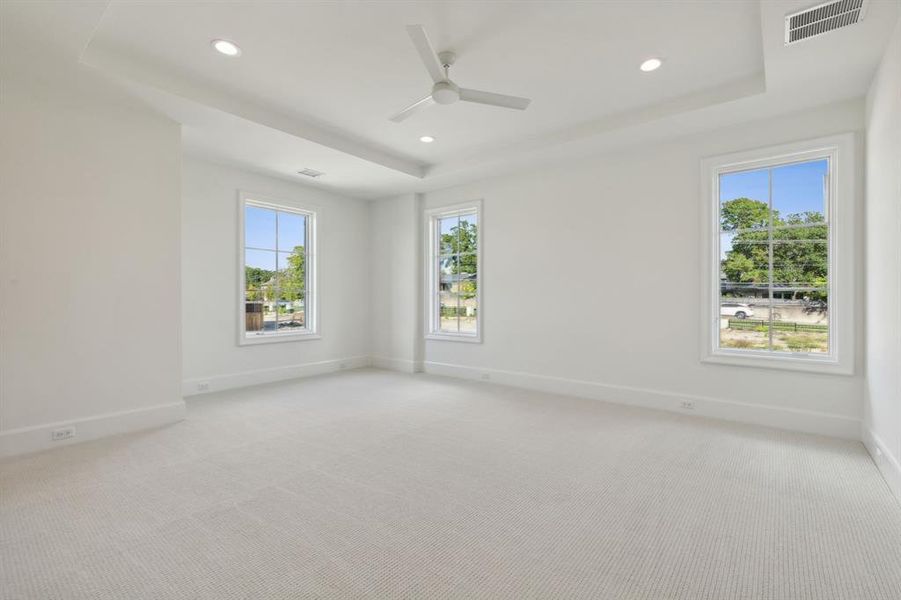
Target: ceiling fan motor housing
445, 92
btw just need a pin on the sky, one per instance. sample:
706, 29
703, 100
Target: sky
262, 249
796, 188
447, 224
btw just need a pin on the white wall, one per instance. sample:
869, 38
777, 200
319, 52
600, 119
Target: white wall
591, 285
210, 281
397, 299
89, 268
882, 424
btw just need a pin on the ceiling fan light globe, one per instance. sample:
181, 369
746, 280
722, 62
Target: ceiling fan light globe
445, 92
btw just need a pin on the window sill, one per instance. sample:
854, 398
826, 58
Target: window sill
800, 362
450, 337
278, 338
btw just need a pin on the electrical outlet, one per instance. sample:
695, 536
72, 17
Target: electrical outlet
203, 386
63, 433
687, 405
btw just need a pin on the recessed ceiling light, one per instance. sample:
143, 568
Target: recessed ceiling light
651, 64
426, 139
226, 47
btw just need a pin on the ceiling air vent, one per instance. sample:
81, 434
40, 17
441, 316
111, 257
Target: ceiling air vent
310, 173
823, 18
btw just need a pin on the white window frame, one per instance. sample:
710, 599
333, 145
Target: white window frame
432, 312
841, 208
311, 303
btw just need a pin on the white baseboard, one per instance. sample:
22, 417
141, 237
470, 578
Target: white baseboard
33, 439
758, 414
889, 464
397, 364
216, 383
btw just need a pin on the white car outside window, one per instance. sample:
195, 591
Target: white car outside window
739, 311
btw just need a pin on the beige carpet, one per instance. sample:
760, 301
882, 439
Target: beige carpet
370, 484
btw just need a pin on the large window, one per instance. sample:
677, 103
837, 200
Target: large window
454, 282
278, 265
776, 286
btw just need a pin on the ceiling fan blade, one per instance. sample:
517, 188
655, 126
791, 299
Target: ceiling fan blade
426, 52
415, 107
494, 99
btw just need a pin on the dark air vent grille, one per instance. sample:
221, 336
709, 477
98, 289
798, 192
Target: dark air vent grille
822, 19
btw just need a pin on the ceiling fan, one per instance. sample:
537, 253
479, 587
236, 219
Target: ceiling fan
445, 91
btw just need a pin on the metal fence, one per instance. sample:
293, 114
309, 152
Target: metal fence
780, 325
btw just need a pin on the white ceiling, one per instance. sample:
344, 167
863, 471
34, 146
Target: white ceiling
317, 81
